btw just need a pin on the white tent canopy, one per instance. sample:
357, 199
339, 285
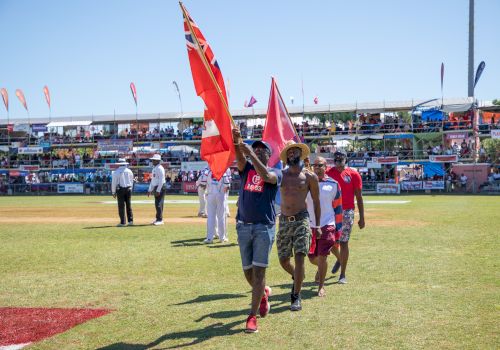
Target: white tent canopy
69, 123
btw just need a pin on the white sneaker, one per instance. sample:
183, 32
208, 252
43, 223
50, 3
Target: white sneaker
158, 223
131, 223
342, 280
208, 241
121, 225
224, 240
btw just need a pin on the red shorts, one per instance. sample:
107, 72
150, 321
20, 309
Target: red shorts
325, 242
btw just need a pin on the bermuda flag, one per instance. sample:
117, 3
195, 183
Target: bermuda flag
217, 140
279, 128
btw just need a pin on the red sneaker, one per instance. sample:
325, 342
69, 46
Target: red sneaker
251, 324
264, 302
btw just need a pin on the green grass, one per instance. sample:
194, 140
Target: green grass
422, 275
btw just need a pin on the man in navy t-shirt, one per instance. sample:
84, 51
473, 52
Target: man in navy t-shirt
256, 219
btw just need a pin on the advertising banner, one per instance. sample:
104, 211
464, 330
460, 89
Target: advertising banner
21, 128
388, 188
193, 166
189, 187
29, 167
115, 145
444, 159
495, 134
39, 127
456, 135
411, 185
30, 150
357, 163
433, 185
386, 160
70, 188
141, 188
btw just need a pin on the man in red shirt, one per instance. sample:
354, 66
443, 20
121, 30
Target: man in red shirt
351, 185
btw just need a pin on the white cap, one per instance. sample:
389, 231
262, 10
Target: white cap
156, 157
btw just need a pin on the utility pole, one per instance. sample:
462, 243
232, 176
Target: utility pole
471, 49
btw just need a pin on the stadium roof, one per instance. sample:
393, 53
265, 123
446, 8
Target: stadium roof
449, 104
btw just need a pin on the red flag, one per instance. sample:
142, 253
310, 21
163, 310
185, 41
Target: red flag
20, 96
47, 94
134, 92
217, 140
5, 97
279, 128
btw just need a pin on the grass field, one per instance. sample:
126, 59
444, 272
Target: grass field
424, 274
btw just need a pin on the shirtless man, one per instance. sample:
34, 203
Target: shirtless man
294, 234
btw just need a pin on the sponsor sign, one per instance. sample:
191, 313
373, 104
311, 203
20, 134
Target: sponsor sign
495, 134
29, 167
411, 185
44, 144
193, 166
189, 187
122, 146
21, 128
399, 136
70, 188
456, 135
357, 163
39, 127
444, 159
386, 160
30, 150
433, 185
388, 188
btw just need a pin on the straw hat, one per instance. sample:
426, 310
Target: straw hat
155, 157
292, 144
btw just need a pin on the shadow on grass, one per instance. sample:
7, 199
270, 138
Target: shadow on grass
211, 297
198, 336
188, 242
109, 226
223, 246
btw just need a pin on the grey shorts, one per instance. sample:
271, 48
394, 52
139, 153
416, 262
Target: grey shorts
347, 223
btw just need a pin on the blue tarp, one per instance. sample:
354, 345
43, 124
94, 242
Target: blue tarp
430, 169
432, 115
399, 136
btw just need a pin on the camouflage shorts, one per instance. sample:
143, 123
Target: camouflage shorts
293, 237
347, 223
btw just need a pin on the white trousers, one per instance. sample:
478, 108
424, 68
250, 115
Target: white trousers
227, 203
216, 211
202, 196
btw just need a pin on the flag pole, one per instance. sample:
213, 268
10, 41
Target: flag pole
286, 109
205, 63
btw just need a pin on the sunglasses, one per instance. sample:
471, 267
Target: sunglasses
318, 165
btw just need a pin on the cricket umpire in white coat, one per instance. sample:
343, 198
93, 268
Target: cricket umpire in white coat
216, 207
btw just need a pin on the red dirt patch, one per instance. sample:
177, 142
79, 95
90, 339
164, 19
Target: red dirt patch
27, 325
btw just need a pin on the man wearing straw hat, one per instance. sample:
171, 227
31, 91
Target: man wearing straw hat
157, 186
294, 234
122, 181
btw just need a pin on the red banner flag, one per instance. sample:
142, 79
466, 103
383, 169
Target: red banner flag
252, 101
134, 92
5, 97
217, 140
47, 94
20, 96
279, 128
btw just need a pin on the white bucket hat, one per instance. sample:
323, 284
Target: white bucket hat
121, 161
155, 157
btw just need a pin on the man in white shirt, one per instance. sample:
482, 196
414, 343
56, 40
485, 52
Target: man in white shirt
122, 181
326, 233
216, 207
157, 186
463, 182
201, 185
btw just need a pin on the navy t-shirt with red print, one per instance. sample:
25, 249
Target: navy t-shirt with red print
256, 197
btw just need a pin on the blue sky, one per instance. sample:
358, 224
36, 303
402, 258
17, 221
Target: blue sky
88, 52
